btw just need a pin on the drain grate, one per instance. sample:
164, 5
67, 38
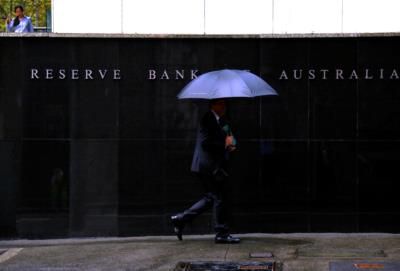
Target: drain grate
225, 266
261, 255
364, 266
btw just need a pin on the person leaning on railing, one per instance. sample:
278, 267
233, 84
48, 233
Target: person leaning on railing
20, 23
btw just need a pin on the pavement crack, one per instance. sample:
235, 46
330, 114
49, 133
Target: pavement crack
226, 253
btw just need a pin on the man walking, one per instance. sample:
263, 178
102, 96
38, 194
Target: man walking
214, 144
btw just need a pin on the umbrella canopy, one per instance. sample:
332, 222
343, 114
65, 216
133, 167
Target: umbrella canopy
226, 84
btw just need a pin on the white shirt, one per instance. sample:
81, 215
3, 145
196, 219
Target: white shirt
216, 116
25, 25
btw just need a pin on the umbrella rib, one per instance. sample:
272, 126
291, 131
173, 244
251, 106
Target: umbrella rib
215, 89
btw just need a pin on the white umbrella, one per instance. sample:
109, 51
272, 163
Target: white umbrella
226, 84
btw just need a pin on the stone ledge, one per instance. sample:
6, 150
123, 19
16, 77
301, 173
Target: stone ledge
206, 36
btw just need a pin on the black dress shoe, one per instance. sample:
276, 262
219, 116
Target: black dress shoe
178, 226
228, 239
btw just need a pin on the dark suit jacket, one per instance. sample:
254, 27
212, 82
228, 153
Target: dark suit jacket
210, 156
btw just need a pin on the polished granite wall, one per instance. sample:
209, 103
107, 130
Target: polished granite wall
112, 156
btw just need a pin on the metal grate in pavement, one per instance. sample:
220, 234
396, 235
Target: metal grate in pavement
225, 266
364, 266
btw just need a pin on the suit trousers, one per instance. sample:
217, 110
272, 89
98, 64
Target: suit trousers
216, 197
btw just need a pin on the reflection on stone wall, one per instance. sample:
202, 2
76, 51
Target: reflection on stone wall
94, 154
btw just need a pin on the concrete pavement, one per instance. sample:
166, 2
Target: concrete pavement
295, 252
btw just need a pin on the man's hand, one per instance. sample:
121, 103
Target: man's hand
228, 141
229, 144
8, 20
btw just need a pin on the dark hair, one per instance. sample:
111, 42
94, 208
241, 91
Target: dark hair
16, 20
18, 7
214, 101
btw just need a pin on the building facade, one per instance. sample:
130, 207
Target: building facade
225, 16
